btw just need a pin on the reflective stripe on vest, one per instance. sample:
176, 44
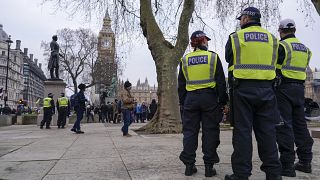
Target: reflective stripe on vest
199, 69
296, 60
63, 101
254, 54
47, 102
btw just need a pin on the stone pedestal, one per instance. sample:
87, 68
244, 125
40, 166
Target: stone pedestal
315, 133
5, 120
56, 87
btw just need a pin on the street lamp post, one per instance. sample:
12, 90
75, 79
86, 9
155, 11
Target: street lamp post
6, 89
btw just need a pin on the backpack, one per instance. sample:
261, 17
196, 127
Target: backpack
74, 101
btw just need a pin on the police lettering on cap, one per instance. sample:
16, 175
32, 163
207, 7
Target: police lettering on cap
198, 34
287, 24
250, 11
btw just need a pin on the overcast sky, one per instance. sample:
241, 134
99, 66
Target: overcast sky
32, 23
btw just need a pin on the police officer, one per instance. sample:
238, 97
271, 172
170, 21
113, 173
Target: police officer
253, 53
63, 110
291, 66
80, 107
48, 111
202, 78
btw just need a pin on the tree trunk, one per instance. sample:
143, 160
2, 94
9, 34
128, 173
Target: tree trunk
167, 118
75, 85
166, 56
316, 4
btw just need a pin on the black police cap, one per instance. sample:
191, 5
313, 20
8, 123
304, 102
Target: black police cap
250, 11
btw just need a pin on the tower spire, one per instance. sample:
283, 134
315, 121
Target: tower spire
106, 16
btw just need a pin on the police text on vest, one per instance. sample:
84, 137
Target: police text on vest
256, 36
298, 47
195, 60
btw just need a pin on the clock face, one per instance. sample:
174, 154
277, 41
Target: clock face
107, 43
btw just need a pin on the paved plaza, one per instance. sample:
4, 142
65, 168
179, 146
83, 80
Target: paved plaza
26, 152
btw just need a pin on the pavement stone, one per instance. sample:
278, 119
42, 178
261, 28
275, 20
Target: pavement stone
26, 152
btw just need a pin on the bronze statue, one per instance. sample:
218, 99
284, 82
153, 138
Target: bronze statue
111, 91
53, 64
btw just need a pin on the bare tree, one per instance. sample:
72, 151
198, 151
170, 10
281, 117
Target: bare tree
79, 51
165, 25
316, 4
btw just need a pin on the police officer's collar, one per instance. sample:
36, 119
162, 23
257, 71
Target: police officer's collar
250, 24
204, 48
288, 36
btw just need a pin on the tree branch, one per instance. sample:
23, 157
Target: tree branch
183, 28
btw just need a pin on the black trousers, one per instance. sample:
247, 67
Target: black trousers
47, 117
290, 98
200, 107
255, 107
62, 116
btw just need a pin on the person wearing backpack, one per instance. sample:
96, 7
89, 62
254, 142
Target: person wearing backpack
79, 107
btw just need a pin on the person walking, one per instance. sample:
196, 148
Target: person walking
138, 113
127, 106
48, 111
80, 107
144, 110
109, 112
89, 113
115, 111
63, 107
104, 112
293, 60
201, 75
153, 108
252, 52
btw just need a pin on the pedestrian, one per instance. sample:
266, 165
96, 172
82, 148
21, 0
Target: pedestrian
144, 110
109, 112
115, 111
251, 54
153, 108
119, 105
293, 60
63, 107
89, 113
138, 113
201, 75
97, 110
48, 111
104, 112
127, 106
80, 107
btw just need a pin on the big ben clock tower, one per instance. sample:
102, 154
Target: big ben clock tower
106, 66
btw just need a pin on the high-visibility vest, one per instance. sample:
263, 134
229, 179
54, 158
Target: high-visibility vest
63, 101
255, 52
297, 57
47, 102
199, 69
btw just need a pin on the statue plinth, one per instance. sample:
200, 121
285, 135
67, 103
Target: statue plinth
56, 87
315, 133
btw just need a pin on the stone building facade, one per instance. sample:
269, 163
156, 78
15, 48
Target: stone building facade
34, 78
15, 71
25, 77
142, 91
312, 85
